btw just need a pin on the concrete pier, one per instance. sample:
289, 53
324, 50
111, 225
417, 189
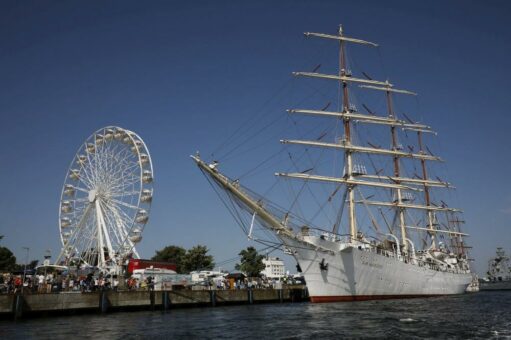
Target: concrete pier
18, 306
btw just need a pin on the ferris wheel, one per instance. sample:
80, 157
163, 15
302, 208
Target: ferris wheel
105, 200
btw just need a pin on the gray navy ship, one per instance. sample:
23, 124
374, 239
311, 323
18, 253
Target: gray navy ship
499, 273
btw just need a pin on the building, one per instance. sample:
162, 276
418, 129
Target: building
275, 268
135, 264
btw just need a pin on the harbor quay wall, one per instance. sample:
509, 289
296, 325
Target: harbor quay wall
6, 303
26, 305
53, 302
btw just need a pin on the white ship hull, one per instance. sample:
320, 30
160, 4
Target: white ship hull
355, 274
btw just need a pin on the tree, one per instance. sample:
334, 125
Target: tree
197, 259
20, 267
33, 264
7, 260
251, 262
173, 254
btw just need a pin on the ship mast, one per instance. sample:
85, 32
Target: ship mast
426, 191
352, 178
399, 197
347, 138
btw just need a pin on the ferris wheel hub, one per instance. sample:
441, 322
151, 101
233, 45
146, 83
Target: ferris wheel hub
92, 195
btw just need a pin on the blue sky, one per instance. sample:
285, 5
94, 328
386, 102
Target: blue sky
184, 75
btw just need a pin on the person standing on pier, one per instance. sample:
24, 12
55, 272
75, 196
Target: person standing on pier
17, 284
40, 283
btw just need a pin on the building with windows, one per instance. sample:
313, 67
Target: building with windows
275, 268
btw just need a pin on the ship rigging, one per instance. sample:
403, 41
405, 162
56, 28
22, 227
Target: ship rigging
343, 262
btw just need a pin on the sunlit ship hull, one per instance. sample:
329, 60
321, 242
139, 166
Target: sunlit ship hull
354, 274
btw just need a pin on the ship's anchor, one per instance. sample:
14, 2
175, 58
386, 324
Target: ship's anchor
323, 265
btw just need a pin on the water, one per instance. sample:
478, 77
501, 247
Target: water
483, 315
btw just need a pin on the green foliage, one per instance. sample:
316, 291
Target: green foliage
32, 264
197, 259
172, 254
20, 267
251, 262
7, 260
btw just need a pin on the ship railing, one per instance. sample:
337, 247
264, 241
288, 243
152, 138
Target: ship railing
434, 266
410, 258
324, 235
381, 251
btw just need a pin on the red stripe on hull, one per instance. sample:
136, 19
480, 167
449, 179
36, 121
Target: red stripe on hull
322, 299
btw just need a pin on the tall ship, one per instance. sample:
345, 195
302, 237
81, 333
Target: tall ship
499, 272
390, 233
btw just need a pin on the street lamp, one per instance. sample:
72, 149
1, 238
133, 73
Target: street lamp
25, 270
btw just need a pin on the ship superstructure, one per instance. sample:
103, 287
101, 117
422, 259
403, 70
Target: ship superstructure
499, 268
499, 272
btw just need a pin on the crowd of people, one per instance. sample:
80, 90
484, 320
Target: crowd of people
133, 283
52, 283
55, 283
221, 283
244, 283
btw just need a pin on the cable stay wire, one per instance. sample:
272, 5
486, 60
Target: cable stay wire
255, 117
250, 137
261, 112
